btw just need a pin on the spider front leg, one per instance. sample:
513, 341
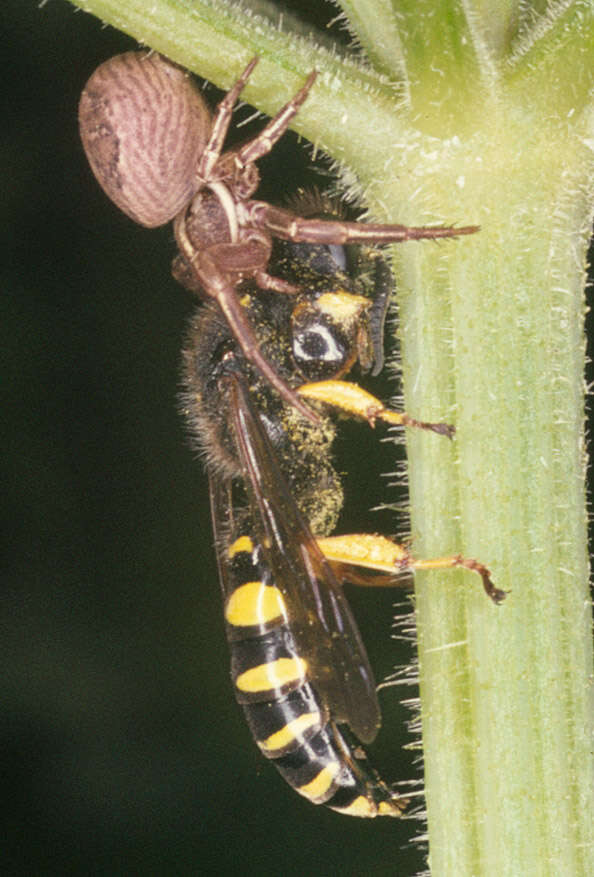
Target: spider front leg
288, 226
207, 276
274, 130
220, 125
237, 166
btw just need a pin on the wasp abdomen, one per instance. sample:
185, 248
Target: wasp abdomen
289, 721
327, 770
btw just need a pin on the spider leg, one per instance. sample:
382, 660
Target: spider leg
265, 140
220, 125
284, 224
214, 283
233, 312
275, 284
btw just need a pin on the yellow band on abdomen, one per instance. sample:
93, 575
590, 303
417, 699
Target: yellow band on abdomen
255, 603
273, 675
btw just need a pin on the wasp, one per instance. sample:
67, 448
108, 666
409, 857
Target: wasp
299, 667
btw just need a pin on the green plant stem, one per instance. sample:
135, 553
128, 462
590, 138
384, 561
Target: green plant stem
493, 341
372, 23
492, 125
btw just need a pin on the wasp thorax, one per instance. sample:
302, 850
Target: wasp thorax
144, 125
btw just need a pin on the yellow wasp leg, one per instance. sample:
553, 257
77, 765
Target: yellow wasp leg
383, 555
353, 400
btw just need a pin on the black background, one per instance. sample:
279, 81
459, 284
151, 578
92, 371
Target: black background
123, 750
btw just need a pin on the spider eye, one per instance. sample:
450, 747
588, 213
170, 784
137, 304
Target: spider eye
321, 349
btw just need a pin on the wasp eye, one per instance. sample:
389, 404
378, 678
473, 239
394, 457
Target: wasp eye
320, 349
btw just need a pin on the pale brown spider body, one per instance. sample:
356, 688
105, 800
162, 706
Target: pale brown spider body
158, 153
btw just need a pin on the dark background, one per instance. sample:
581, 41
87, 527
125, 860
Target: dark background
123, 750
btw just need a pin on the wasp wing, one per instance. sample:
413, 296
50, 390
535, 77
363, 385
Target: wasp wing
322, 624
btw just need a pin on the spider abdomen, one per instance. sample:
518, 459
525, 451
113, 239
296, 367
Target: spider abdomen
144, 126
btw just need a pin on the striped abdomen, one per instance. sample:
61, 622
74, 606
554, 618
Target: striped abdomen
286, 716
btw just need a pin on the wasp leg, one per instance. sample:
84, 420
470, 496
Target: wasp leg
378, 553
347, 572
352, 399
